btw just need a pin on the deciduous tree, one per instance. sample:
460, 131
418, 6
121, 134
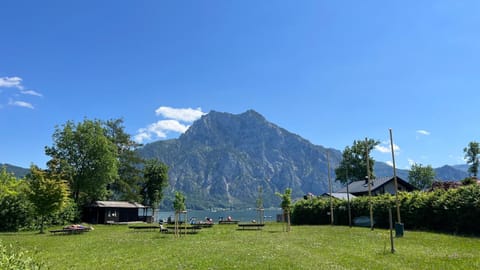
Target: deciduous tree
179, 206
14, 207
420, 176
286, 205
471, 155
354, 161
156, 179
47, 193
84, 156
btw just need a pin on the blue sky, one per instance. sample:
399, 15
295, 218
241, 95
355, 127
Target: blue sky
330, 71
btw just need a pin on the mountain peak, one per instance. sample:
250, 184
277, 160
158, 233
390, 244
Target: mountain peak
223, 158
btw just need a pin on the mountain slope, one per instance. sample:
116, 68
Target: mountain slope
19, 172
223, 159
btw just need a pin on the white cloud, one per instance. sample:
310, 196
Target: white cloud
176, 120
142, 136
31, 92
423, 132
385, 147
16, 83
389, 163
185, 115
8, 82
162, 127
20, 104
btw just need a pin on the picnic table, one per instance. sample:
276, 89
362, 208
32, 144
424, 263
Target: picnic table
148, 227
257, 226
190, 229
70, 230
227, 222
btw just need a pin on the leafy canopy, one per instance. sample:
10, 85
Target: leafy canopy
354, 161
156, 179
420, 176
48, 194
471, 155
84, 156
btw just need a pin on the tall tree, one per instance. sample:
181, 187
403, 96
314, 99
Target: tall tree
354, 161
420, 176
471, 155
84, 156
286, 205
127, 185
47, 194
156, 179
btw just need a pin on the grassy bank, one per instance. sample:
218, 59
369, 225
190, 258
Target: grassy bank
225, 247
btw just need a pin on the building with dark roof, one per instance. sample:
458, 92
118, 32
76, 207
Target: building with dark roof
378, 186
107, 212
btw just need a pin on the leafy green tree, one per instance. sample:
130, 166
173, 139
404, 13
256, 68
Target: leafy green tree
127, 185
354, 161
9, 185
471, 155
156, 179
47, 194
84, 156
286, 204
420, 176
179, 206
14, 207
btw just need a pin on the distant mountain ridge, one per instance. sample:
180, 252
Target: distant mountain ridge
19, 172
222, 160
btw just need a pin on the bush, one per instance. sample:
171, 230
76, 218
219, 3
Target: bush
453, 210
11, 259
15, 213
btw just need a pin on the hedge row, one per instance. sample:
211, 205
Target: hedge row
453, 210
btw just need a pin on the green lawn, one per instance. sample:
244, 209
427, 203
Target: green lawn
225, 247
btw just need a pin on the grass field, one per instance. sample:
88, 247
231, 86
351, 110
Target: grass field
226, 247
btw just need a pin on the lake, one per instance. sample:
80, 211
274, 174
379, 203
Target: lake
241, 215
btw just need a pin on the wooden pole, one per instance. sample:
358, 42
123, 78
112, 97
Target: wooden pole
399, 220
348, 197
330, 188
369, 184
392, 247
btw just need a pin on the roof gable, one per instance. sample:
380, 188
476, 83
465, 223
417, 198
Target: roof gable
362, 186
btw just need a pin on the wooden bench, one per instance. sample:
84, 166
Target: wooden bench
228, 222
257, 226
148, 227
70, 231
190, 229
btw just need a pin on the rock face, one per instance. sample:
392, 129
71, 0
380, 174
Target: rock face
223, 159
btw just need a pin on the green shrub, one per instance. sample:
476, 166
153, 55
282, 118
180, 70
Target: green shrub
454, 210
15, 213
12, 259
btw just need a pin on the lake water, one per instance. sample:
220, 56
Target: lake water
241, 215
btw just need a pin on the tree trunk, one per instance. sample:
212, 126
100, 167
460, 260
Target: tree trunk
288, 221
41, 225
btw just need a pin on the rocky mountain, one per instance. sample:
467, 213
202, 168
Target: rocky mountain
223, 159
19, 172
450, 173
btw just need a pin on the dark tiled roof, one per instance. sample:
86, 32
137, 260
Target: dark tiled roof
117, 204
362, 186
339, 195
